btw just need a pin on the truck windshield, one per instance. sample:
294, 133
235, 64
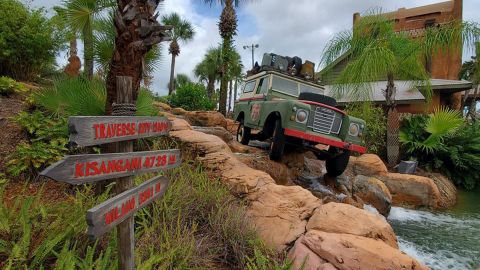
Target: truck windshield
310, 89
285, 86
249, 87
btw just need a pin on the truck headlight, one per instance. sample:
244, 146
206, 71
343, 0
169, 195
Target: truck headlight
354, 130
302, 116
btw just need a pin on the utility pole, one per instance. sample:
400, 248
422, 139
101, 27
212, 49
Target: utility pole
252, 47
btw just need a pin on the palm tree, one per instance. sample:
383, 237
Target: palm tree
133, 41
471, 71
228, 29
182, 31
375, 51
79, 16
209, 69
234, 75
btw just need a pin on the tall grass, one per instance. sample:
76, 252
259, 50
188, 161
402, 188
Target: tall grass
196, 225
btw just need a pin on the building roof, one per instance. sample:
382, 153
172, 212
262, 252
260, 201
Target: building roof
406, 93
423, 10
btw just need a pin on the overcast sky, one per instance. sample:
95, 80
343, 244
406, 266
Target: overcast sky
286, 27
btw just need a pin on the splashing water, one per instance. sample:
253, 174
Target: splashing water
439, 240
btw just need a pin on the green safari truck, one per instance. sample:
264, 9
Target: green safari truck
290, 111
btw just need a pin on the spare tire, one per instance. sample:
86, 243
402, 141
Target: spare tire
329, 101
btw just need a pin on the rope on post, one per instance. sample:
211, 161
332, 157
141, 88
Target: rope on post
124, 109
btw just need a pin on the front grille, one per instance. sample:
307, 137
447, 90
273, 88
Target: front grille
324, 120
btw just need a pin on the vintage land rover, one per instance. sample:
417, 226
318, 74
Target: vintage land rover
290, 111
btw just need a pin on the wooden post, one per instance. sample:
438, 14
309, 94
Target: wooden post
125, 230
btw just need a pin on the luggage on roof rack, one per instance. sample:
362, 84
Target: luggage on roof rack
275, 61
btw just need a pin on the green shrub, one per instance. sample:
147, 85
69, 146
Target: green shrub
376, 125
28, 43
79, 96
444, 142
47, 137
9, 86
191, 97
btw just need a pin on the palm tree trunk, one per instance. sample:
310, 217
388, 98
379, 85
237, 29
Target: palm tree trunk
224, 80
472, 109
393, 123
171, 86
211, 86
73, 46
235, 88
88, 51
130, 47
230, 97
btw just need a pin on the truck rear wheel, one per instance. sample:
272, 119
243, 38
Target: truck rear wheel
243, 134
278, 142
337, 164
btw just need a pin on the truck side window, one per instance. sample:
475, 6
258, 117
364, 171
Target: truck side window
249, 87
262, 86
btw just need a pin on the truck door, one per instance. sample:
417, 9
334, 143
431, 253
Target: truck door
258, 100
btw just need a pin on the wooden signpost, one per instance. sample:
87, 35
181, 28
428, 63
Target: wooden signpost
96, 130
102, 218
80, 169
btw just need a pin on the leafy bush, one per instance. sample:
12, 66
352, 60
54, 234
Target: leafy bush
191, 97
444, 142
79, 96
27, 40
9, 86
47, 138
376, 125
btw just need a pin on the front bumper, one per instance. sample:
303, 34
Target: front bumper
319, 139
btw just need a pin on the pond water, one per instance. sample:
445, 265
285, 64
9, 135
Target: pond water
442, 240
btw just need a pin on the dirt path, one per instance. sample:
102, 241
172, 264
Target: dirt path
10, 133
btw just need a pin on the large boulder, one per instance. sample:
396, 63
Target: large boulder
179, 111
374, 192
280, 213
347, 219
162, 106
411, 190
369, 165
206, 119
347, 252
232, 126
448, 191
277, 170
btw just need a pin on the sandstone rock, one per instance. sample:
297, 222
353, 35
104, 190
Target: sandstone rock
220, 132
448, 191
347, 252
162, 106
166, 114
179, 124
305, 259
411, 190
206, 119
280, 213
278, 171
237, 147
369, 165
373, 192
232, 126
179, 111
344, 218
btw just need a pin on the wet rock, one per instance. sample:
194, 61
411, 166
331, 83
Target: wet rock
346, 219
206, 119
411, 190
347, 252
374, 192
369, 165
448, 191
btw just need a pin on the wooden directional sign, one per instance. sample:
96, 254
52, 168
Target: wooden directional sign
95, 130
102, 218
82, 169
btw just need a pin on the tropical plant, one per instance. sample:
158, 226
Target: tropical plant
182, 31
191, 97
28, 41
180, 80
132, 42
376, 51
376, 125
235, 76
209, 69
9, 86
444, 142
471, 71
78, 96
228, 29
80, 15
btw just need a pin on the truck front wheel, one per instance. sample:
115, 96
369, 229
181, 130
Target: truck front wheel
337, 164
278, 141
243, 134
